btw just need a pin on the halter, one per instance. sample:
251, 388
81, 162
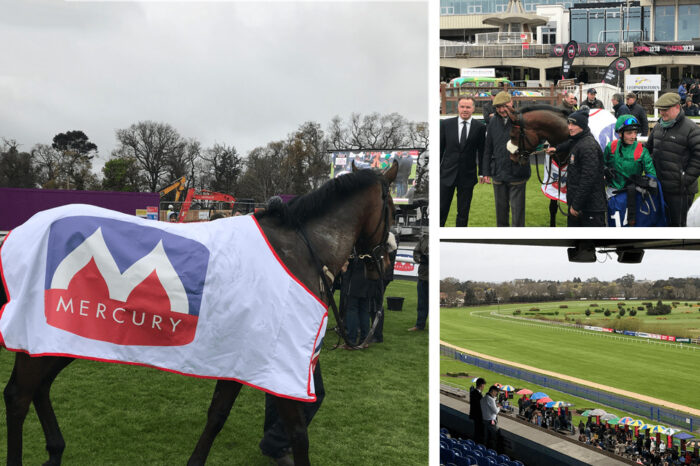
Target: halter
374, 255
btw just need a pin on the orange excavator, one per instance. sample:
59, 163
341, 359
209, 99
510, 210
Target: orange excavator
212, 198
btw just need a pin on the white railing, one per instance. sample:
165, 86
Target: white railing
503, 38
450, 49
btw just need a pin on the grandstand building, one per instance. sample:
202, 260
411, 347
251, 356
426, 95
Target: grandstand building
524, 39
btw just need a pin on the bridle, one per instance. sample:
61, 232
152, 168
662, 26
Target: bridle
374, 256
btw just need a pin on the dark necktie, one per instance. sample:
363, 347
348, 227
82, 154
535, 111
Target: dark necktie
463, 137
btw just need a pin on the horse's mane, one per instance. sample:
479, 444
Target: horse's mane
320, 201
550, 108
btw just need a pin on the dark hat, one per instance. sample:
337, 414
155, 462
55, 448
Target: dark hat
592, 91
668, 100
579, 118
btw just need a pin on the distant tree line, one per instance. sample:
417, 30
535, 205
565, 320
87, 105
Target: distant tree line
469, 293
149, 155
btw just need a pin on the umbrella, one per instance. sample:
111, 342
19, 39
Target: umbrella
646, 426
626, 420
546, 399
636, 423
597, 412
507, 388
607, 416
683, 436
671, 431
657, 429
524, 391
538, 395
498, 385
586, 413
555, 404
475, 379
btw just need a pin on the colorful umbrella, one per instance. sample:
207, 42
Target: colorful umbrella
683, 436
626, 420
475, 379
555, 404
636, 423
524, 391
613, 421
671, 431
586, 413
507, 388
538, 395
657, 429
546, 399
607, 416
498, 385
646, 426
597, 412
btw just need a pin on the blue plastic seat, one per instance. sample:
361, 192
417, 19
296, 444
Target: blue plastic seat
491, 453
503, 458
446, 455
476, 453
481, 448
472, 460
471, 443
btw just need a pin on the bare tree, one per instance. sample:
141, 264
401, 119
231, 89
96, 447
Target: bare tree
375, 131
16, 169
151, 144
221, 168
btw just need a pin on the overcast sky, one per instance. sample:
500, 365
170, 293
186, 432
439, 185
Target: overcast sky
234, 73
500, 263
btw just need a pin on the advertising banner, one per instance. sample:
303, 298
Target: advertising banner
591, 49
567, 60
643, 82
341, 162
666, 48
616, 68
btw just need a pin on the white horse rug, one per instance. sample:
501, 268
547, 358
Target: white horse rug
208, 299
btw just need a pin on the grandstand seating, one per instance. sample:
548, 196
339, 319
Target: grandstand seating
466, 452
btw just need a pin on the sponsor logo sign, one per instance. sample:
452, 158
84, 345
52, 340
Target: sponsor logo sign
643, 82
123, 283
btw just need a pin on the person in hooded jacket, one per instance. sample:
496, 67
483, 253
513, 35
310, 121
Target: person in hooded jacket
585, 180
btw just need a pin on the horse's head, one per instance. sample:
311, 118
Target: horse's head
523, 140
378, 219
533, 126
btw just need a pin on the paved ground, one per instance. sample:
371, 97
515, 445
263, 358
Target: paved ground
587, 383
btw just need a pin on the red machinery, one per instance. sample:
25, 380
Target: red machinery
203, 195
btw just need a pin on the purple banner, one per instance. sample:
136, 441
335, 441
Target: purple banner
19, 204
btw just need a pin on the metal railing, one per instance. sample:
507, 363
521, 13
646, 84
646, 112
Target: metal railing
451, 49
629, 405
503, 38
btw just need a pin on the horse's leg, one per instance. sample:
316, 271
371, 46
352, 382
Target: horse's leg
292, 415
42, 403
19, 392
225, 395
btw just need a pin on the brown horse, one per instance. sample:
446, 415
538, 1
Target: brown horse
534, 125
351, 210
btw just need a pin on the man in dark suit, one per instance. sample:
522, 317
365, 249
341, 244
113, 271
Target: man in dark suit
475, 413
461, 150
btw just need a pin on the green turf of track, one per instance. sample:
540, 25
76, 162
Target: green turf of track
634, 365
483, 208
448, 365
375, 411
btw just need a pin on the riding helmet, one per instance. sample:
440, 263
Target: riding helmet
627, 123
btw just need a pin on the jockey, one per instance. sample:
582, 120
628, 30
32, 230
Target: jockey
625, 157
625, 160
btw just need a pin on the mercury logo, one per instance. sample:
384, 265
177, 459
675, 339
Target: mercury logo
123, 283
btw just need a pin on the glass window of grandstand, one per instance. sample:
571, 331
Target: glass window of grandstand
664, 23
612, 26
688, 22
596, 24
548, 35
579, 25
633, 25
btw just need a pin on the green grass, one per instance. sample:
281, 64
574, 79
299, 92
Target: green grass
683, 321
448, 365
627, 363
483, 207
375, 410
